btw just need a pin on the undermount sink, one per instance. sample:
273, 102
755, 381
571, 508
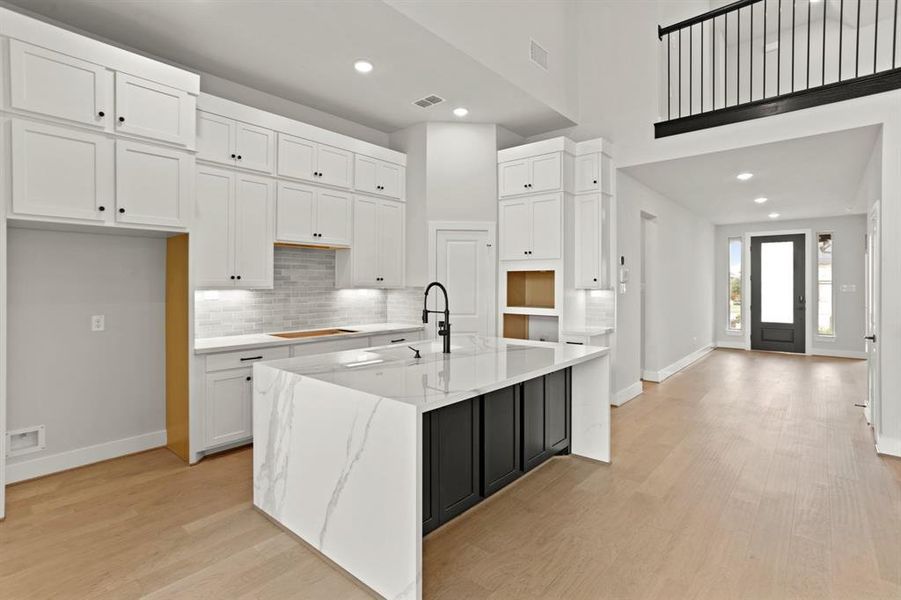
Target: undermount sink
290, 335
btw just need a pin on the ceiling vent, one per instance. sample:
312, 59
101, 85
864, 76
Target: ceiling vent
538, 55
428, 101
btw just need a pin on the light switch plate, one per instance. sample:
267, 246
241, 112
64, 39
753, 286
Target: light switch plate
98, 322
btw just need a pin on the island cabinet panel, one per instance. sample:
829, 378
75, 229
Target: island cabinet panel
458, 458
429, 479
534, 445
556, 411
501, 459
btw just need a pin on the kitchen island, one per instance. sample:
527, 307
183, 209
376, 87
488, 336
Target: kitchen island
357, 452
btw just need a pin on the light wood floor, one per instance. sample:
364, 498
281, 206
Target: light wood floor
749, 475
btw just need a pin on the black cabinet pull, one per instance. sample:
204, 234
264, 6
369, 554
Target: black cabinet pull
121, 211
246, 358
101, 114
576, 343
248, 378
398, 340
101, 208
121, 119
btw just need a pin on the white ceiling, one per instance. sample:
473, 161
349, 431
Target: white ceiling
803, 178
303, 50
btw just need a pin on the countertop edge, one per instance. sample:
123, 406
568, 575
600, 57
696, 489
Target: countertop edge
275, 341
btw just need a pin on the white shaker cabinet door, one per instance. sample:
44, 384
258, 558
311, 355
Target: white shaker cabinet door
391, 244
335, 166
545, 227
587, 241
153, 184
227, 407
148, 109
212, 228
333, 217
391, 180
254, 148
254, 208
215, 138
587, 172
366, 242
515, 229
296, 157
513, 178
46, 82
295, 213
60, 172
366, 174
546, 173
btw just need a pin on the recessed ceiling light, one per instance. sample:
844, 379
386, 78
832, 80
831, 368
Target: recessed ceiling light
760, 200
744, 176
461, 112
774, 215
363, 66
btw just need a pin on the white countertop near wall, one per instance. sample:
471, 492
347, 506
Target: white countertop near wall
589, 331
266, 340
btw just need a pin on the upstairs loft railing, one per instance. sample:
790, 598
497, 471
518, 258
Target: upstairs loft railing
755, 58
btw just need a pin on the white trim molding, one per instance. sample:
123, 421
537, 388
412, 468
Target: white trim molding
45, 465
889, 446
627, 393
858, 354
736, 345
670, 370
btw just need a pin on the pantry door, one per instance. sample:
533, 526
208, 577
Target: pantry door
465, 263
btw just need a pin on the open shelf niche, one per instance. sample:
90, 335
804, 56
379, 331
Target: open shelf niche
530, 289
531, 327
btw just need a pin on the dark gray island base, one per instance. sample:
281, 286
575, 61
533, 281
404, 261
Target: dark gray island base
474, 448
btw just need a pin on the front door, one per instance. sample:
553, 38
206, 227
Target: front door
777, 293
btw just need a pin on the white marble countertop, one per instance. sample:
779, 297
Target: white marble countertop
587, 331
265, 340
475, 366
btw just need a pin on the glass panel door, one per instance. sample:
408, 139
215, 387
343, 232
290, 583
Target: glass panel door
777, 282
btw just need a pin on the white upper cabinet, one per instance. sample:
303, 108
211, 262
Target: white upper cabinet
302, 159
61, 172
311, 215
232, 230
49, 83
587, 243
153, 110
530, 228
376, 259
587, 173
374, 176
229, 142
153, 184
530, 175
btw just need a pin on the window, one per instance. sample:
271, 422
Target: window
735, 284
825, 318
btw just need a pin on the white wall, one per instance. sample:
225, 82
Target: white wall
680, 293
451, 176
848, 234
87, 388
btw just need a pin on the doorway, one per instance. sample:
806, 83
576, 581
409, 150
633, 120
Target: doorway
872, 286
464, 261
778, 295
648, 243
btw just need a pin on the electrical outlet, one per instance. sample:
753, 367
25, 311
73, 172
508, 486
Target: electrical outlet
98, 322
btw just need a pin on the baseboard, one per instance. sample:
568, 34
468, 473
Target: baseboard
670, 370
626, 394
38, 467
889, 446
732, 345
859, 354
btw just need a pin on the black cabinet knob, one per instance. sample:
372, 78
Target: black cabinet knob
595, 181
232, 276
121, 119
121, 211
101, 114
234, 156
101, 208
248, 378
239, 277
595, 279
239, 157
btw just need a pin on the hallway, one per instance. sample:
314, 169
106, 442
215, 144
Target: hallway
748, 475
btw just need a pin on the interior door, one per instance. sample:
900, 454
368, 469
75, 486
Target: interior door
873, 278
465, 265
778, 302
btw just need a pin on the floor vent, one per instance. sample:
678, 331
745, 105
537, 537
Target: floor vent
538, 55
428, 101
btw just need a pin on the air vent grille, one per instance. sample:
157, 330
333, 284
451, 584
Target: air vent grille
428, 101
538, 55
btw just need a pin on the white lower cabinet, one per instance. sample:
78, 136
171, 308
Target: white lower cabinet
229, 400
61, 172
232, 230
376, 259
405, 337
153, 184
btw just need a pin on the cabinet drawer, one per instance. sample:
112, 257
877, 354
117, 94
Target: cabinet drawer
326, 346
406, 337
245, 358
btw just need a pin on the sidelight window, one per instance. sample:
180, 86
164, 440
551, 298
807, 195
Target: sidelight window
825, 312
735, 291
